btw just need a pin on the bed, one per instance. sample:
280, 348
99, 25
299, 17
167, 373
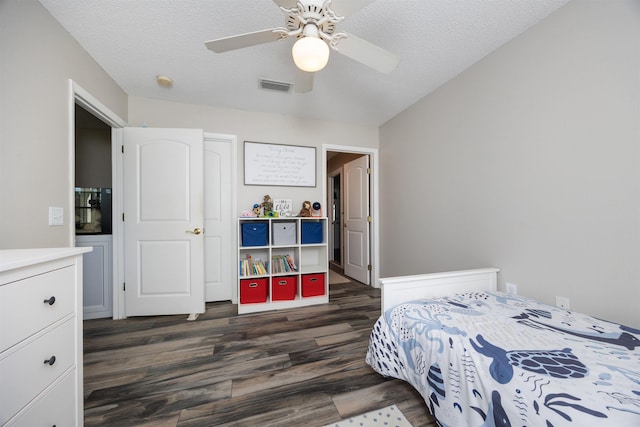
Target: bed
480, 357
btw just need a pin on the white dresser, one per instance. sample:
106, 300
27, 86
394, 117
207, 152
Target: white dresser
41, 337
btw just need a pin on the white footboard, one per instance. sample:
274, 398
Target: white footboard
396, 290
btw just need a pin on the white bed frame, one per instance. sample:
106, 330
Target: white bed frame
396, 290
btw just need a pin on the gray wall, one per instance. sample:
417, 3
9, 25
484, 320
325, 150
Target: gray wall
528, 161
38, 57
258, 127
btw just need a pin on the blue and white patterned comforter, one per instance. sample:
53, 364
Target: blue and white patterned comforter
491, 359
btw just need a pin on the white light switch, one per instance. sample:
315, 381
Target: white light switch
56, 216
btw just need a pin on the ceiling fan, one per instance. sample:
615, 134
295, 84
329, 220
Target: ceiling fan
313, 23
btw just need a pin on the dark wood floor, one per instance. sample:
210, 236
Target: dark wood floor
299, 367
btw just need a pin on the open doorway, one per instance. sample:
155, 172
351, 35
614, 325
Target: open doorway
336, 162
351, 198
85, 107
93, 211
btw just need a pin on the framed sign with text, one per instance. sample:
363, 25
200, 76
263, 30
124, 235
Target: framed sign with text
279, 165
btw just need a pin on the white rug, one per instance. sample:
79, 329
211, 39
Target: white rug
335, 278
390, 416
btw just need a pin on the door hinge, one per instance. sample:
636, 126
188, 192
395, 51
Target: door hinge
369, 219
368, 171
124, 286
122, 149
369, 267
122, 216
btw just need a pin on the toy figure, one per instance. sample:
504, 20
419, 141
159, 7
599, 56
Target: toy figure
267, 206
256, 210
317, 209
306, 209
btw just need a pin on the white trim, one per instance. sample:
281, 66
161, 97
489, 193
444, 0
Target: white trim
375, 229
71, 177
117, 227
95, 107
78, 95
233, 140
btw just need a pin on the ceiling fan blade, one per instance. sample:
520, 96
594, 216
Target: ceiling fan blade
367, 53
304, 81
287, 4
348, 7
243, 40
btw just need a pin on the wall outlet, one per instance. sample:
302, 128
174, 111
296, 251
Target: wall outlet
562, 302
512, 288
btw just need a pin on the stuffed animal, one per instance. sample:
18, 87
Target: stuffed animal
267, 206
256, 210
306, 209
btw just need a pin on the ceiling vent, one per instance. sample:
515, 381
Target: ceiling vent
273, 85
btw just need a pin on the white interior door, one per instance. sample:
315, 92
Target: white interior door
164, 216
356, 220
219, 281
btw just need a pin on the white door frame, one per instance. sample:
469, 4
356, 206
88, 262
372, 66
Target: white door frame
78, 95
375, 212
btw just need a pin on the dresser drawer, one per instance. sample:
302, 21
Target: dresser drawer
24, 373
54, 408
23, 311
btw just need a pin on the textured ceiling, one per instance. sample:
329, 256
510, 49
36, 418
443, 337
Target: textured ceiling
134, 41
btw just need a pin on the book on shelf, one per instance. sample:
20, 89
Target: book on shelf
251, 267
282, 264
291, 263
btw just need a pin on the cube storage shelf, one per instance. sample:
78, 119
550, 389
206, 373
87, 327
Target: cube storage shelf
282, 263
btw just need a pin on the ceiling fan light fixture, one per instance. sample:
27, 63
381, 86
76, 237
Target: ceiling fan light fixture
310, 53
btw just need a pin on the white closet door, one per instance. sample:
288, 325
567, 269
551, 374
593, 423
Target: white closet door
219, 247
164, 216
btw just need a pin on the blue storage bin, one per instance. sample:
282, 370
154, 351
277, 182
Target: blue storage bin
254, 234
312, 232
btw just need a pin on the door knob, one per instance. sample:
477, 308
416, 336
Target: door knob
195, 231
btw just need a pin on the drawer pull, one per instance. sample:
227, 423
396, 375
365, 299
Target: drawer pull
50, 301
50, 361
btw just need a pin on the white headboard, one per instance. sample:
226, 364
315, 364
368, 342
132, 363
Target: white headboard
396, 290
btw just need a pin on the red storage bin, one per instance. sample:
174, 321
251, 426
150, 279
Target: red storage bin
312, 285
253, 290
284, 288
